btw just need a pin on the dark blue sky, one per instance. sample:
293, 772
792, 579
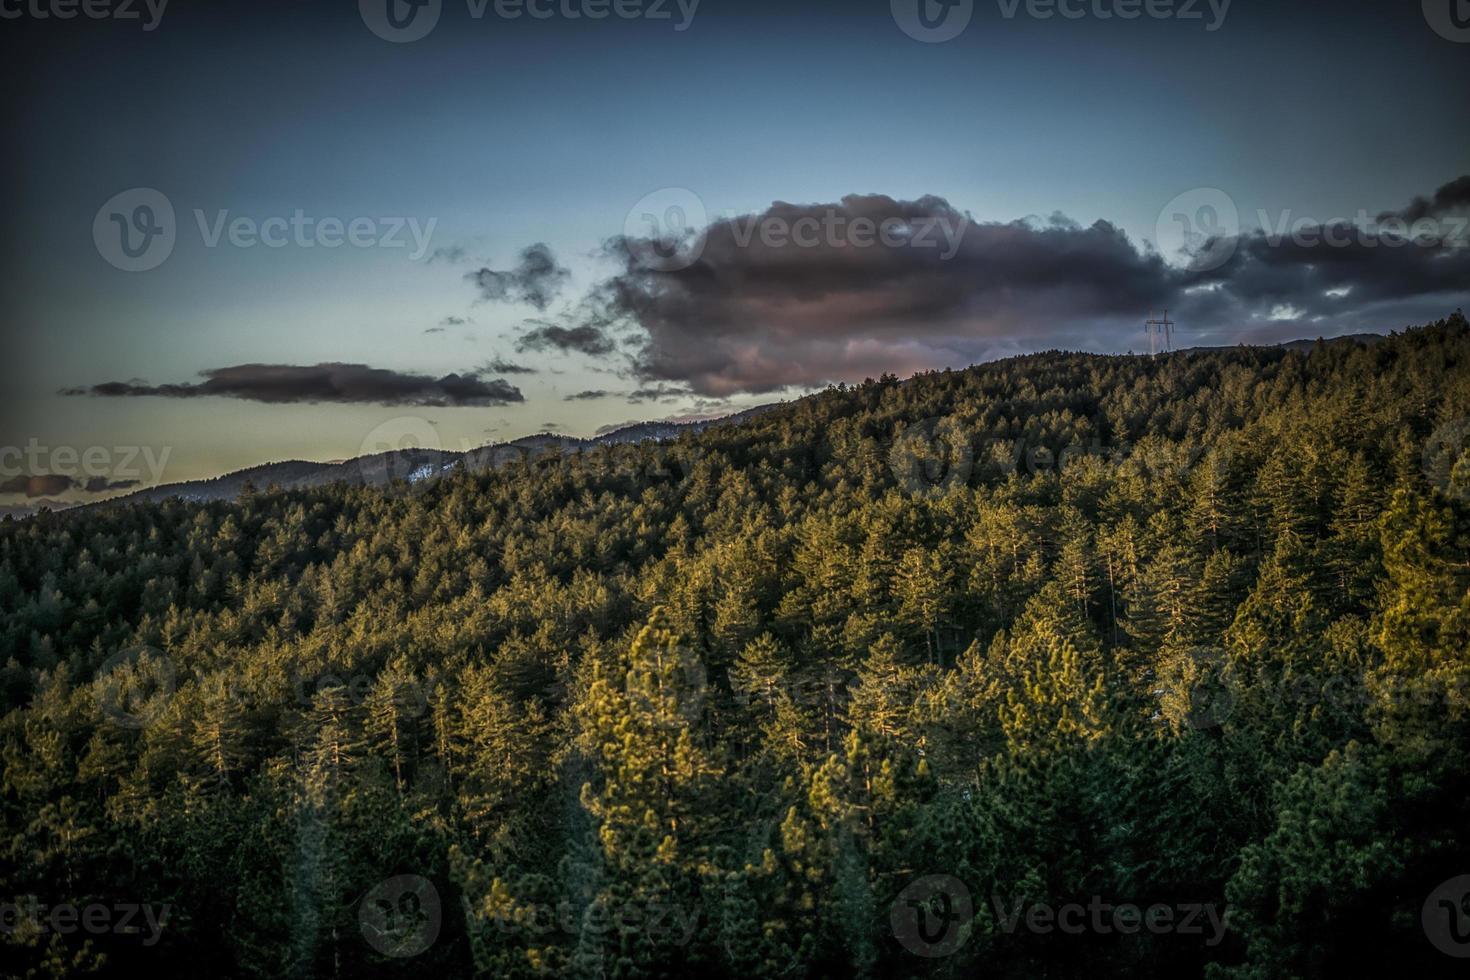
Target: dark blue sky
496, 134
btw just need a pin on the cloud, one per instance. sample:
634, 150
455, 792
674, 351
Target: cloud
1449, 199
453, 254
657, 393
1340, 275
501, 366
38, 485
536, 280
434, 330
335, 383
455, 321
759, 312
50, 484
590, 395
589, 338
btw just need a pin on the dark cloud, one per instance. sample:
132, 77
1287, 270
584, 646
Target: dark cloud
453, 254
590, 395
589, 338
657, 393
455, 321
1338, 275
434, 330
536, 280
753, 313
1451, 198
48, 484
37, 485
338, 383
760, 314
502, 366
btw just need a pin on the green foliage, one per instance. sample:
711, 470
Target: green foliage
708, 707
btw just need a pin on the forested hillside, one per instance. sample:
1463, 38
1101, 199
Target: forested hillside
852, 688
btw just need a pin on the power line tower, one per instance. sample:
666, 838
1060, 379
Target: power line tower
1159, 328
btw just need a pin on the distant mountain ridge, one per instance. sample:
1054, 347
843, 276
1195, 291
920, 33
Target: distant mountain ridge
412, 464
1303, 346
418, 464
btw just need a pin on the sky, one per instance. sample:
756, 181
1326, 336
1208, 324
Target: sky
241, 232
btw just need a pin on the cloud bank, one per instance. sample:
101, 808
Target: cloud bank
279, 384
50, 484
758, 312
